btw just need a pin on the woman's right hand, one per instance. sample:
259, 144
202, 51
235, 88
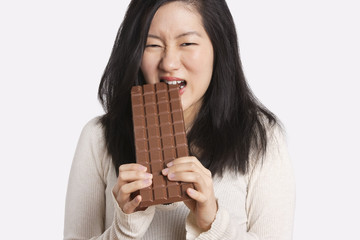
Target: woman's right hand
132, 177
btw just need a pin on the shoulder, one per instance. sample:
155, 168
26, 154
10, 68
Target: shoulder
92, 138
275, 156
276, 139
93, 128
91, 152
275, 131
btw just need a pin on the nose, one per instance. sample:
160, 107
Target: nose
170, 60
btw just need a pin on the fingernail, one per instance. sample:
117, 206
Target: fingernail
148, 175
147, 182
169, 164
165, 171
191, 191
142, 168
171, 176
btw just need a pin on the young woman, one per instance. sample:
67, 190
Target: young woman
243, 181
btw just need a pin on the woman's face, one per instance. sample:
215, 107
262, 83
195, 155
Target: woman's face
178, 49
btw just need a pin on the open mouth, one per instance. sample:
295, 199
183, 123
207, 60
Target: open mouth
181, 83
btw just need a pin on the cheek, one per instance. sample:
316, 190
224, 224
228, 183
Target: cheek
201, 69
196, 60
201, 62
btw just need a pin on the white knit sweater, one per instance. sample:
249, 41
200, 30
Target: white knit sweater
258, 205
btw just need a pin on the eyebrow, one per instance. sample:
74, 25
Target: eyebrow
178, 36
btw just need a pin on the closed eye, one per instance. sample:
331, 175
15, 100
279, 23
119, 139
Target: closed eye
187, 44
152, 45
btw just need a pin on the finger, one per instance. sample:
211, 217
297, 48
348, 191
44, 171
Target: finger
132, 167
132, 205
192, 160
128, 188
183, 167
124, 192
196, 195
193, 177
188, 167
130, 176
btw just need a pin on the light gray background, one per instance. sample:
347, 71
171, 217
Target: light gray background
301, 58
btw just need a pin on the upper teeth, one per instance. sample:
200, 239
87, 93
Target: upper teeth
173, 82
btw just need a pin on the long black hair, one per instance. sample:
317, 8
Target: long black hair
231, 121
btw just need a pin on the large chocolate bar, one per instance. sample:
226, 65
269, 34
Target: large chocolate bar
160, 137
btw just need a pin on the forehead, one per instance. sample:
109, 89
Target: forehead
175, 18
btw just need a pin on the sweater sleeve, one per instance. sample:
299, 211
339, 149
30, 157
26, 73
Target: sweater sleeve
270, 200
85, 198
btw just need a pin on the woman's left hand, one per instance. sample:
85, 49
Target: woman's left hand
203, 203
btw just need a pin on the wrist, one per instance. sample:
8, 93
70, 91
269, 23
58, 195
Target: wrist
206, 225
